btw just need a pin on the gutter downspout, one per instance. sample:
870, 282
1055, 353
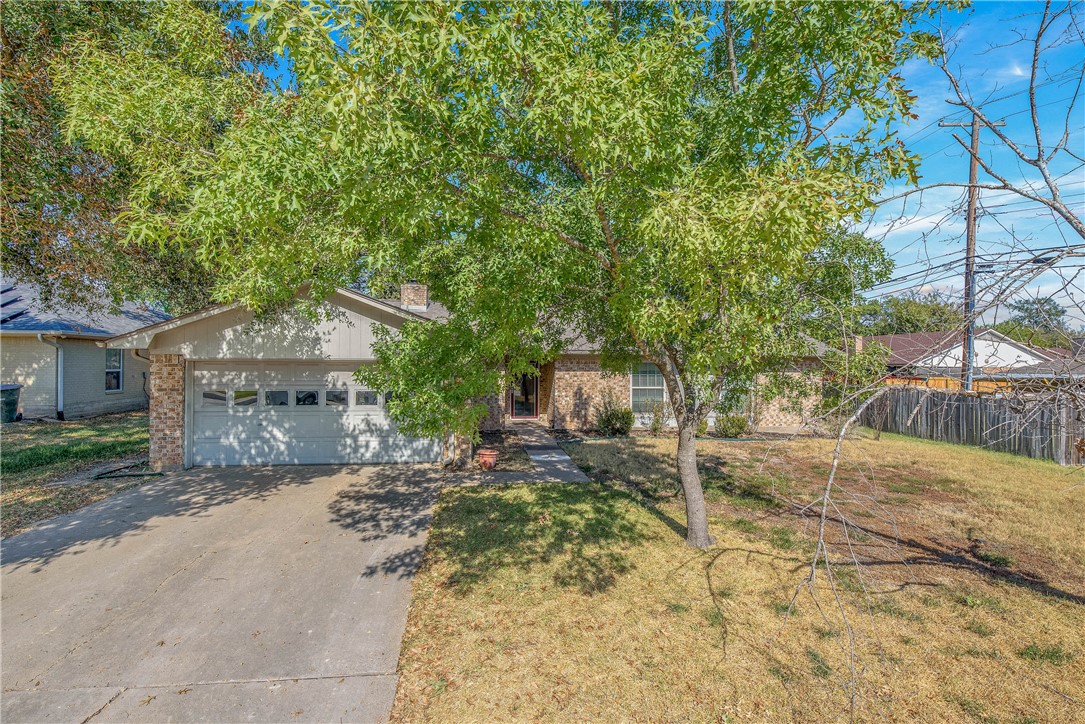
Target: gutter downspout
147, 359
60, 374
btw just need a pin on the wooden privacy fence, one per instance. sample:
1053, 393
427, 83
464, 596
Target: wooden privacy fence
1037, 429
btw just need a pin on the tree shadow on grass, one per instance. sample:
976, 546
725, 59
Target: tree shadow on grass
586, 533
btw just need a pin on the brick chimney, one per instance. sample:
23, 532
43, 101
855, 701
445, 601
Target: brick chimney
413, 296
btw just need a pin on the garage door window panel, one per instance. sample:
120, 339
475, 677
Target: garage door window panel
245, 398
276, 398
306, 398
336, 399
213, 398
367, 398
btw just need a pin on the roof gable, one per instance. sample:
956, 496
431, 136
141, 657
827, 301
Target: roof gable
341, 331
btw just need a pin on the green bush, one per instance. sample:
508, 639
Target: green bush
731, 425
613, 418
702, 428
658, 413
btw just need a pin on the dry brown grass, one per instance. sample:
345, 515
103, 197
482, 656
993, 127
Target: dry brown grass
511, 456
582, 602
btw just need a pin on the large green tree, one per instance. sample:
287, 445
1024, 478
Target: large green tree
668, 179
1039, 321
60, 197
915, 312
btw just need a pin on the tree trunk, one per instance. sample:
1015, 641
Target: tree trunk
696, 516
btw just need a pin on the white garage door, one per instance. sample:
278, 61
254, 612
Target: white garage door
293, 414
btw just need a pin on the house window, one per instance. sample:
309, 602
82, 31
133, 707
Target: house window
648, 387
245, 398
366, 398
335, 398
276, 398
306, 398
114, 370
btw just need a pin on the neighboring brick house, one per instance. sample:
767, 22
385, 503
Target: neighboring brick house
226, 389
56, 355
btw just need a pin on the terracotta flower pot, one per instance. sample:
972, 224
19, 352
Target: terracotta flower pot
487, 458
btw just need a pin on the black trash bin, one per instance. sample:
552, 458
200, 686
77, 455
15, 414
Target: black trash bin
9, 399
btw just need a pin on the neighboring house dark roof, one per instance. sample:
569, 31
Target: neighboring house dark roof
1055, 352
21, 312
907, 349
1062, 368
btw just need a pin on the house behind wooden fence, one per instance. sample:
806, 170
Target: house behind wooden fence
1038, 429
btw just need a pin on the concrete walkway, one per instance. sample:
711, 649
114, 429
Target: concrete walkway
547, 457
551, 463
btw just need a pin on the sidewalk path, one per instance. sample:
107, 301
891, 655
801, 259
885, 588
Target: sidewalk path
547, 456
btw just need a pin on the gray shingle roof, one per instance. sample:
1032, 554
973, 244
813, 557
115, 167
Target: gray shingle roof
22, 312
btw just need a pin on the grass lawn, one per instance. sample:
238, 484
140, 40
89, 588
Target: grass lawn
35, 454
583, 602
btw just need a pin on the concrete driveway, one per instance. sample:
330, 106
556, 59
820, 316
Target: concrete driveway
240, 594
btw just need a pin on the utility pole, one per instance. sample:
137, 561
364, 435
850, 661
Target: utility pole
969, 344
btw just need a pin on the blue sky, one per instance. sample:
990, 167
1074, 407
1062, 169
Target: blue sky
926, 234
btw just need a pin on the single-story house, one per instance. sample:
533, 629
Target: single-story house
1062, 370
918, 355
54, 354
228, 389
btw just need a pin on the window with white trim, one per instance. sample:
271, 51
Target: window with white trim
647, 388
114, 370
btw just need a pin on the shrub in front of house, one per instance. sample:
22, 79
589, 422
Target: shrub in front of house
658, 415
702, 428
612, 417
731, 425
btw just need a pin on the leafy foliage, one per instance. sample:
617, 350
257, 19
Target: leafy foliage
61, 195
612, 417
916, 312
666, 179
730, 425
1040, 322
658, 415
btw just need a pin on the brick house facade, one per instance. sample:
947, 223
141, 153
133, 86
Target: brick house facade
572, 387
225, 390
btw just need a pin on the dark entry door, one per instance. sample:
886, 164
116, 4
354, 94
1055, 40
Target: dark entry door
525, 396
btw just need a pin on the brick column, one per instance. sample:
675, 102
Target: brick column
167, 415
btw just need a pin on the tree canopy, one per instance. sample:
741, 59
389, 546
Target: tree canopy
670, 180
1039, 321
916, 312
60, 196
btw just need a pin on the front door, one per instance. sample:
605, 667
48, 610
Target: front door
525, 397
